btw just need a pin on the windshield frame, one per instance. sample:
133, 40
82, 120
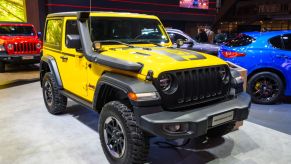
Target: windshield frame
19, 34
159, 26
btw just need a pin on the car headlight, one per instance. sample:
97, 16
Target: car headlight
10, 46
38, 46
237, 81
224, 74
168, 83
2, 48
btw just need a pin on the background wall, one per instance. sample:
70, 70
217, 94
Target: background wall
12, 11
169, 11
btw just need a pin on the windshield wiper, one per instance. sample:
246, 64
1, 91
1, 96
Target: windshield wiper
145, 41
116, 41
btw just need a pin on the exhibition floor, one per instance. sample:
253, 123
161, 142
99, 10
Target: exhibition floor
29, 134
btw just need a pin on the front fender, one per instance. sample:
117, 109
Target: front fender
53, 67
123, 83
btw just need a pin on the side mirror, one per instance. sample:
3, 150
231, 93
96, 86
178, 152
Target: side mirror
73, 41
179, 43
39, 34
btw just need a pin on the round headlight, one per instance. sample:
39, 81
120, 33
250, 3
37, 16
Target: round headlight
168, 83
224, 75
38, 45
165, 82
10, 46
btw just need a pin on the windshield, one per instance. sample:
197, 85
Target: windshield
16, 30
127, 30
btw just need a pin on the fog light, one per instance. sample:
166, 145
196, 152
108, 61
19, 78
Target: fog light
176, 128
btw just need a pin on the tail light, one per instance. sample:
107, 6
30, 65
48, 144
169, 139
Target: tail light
231, 54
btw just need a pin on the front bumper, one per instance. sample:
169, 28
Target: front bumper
20, 58
199, 120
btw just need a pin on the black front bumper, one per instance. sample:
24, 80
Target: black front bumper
199, 120
20, 58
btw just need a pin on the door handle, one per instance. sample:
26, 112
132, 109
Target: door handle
64, 58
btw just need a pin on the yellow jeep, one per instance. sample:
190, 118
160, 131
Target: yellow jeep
122, 65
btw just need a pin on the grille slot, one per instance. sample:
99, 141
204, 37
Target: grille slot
195, 86
25, 47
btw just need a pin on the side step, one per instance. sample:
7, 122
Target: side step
77, 99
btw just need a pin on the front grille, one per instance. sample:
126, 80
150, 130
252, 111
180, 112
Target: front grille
195, 86
24, 48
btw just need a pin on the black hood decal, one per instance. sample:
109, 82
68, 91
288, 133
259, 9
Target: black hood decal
174, 53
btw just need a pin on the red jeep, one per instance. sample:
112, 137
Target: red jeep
19, 43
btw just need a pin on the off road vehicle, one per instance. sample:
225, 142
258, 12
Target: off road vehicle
19, 43
122, 66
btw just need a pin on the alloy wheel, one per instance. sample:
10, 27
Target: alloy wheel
114, 136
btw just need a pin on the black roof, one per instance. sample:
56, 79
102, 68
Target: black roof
63, 14
75, 13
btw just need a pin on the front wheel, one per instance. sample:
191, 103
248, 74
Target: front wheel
265, 88
123, 142
55, 102
2, 67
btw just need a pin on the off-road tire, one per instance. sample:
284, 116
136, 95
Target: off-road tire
2, 67
220, 131
254, 79
137, 143
59, 102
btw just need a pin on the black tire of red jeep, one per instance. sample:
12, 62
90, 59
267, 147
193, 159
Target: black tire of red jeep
2, 67
59, 102
220, 131
137, 143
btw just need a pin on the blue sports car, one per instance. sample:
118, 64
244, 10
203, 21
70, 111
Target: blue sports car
267, 57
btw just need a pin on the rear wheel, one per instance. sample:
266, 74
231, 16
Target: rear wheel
265, 88
2, 67
121, 139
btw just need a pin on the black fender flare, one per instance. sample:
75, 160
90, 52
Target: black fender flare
52, 64
123, 83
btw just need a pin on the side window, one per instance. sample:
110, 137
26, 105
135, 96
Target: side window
71, 28
276, 42
287, 41
53, 34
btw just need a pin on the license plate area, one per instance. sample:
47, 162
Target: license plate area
222, 118
27, 57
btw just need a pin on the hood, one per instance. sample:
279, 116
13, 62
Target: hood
13, 39
162, 59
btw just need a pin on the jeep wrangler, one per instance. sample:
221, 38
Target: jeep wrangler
122, 65
19, 43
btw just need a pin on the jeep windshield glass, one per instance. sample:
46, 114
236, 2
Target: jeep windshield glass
127, 30
16, 30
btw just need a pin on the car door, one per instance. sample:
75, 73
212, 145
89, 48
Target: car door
74, 64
